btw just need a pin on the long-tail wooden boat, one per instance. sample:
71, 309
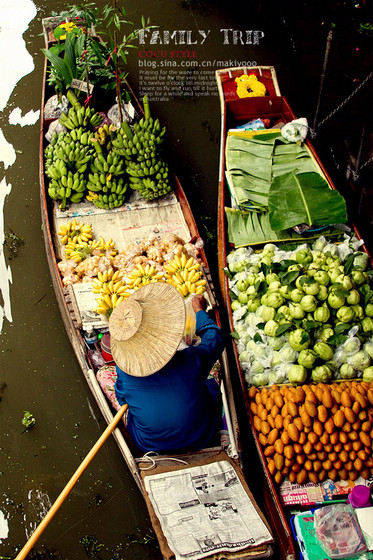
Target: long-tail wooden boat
177, 216
235, 111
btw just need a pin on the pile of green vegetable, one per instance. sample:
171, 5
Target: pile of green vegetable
302, 315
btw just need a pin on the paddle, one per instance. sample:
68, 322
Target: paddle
69, 486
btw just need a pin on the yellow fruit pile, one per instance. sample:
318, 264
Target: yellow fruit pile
142, 275
75, 232
78, 242
315, 431
182, 271
185, 274
112, 291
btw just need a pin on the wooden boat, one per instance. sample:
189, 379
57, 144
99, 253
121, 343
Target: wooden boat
232, 107
177, 208
234, 112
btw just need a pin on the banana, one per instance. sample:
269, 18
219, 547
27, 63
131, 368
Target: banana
100, 276
189, 262
106, 298
194, 277
101, 310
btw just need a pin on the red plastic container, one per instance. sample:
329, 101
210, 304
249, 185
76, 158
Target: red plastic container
105, 349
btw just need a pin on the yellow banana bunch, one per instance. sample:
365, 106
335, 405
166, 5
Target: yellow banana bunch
97, 244
108, 275
104, 133
178, 264
103, 247
109, 282
112, 291
107, 302
110, 247
77, 251
91, 196
75, 231
142, 275
187, 281
79, 254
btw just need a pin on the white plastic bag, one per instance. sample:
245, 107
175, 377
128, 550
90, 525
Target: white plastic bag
53, 108
338, 531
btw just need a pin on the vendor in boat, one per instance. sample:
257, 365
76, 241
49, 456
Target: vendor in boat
173, 406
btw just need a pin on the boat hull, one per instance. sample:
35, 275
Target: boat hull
73, 325
234, 112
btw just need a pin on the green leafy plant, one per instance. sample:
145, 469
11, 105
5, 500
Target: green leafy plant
62, 57
111, 26
78, 54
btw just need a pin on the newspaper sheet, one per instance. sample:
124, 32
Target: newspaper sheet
86, 302
204, 510
136, 220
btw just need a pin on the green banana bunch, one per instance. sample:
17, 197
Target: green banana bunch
148, 167
151, 130
82, 135
111, 164
106, 193
70, 187
150, 188
80, 116
74, 150
140, 146
106, 183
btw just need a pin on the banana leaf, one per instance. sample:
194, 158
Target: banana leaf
253, 162
70, 58
249, 164
285, 163
304, 198
251, 228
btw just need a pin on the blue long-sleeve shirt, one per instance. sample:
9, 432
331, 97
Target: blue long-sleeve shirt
172, 409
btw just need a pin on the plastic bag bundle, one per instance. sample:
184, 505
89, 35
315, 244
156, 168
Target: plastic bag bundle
128, 113
338, 530
53, 107
54, 128
295, 131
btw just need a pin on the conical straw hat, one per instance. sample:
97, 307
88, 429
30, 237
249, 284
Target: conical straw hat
146, 329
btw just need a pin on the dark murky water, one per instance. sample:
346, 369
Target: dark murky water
39, 372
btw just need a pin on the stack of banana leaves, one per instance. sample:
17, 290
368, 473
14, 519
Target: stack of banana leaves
276, 186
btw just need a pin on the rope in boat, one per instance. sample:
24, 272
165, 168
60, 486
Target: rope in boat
326, 58
355, 174
339, 107
152, 457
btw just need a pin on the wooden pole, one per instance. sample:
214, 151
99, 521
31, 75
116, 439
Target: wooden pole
69, 486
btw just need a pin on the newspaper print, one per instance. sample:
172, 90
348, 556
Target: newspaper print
204, 510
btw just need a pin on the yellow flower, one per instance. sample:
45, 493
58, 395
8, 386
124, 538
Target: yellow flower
67, 26
249, 86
